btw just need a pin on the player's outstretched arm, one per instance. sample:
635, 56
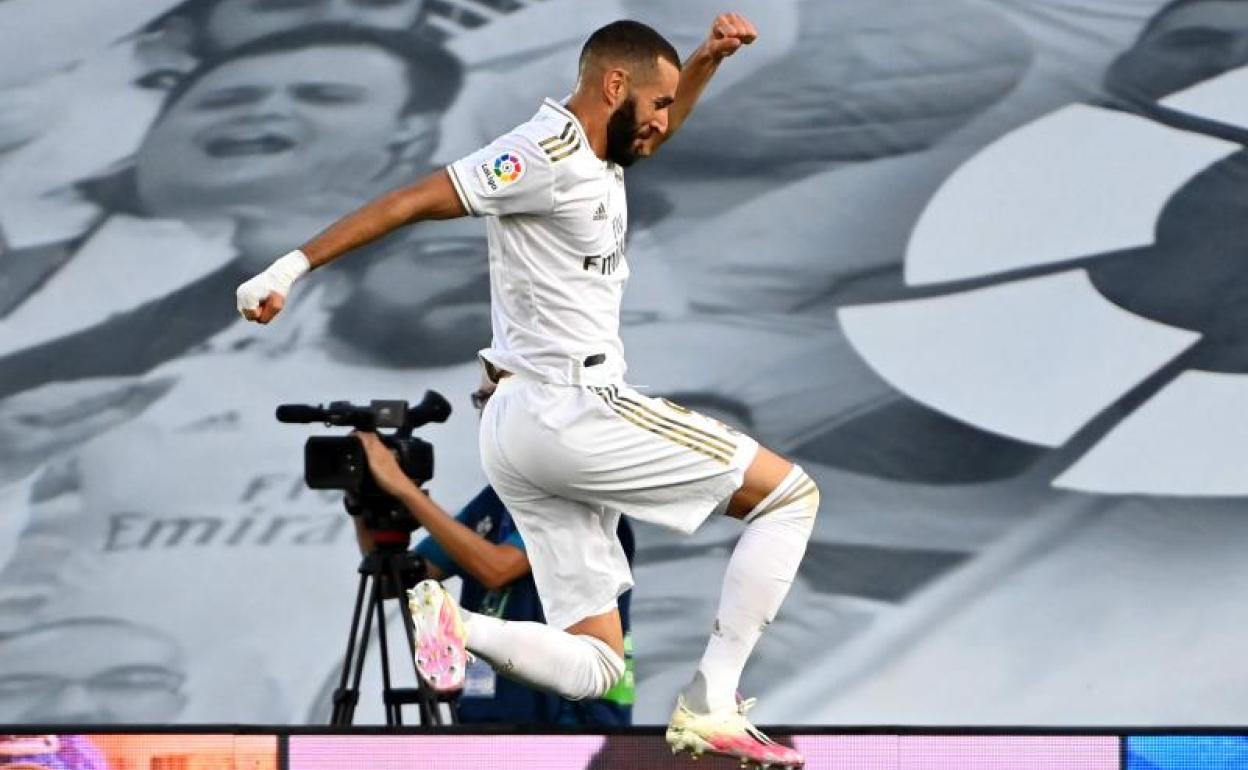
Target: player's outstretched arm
728, 33
434, 197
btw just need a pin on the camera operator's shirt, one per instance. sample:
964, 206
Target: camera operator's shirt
556, 220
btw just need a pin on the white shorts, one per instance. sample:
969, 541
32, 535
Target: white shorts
568, 459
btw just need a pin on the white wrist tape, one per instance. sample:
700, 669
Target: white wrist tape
278, 277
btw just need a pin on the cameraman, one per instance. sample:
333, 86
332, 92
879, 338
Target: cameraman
483, 547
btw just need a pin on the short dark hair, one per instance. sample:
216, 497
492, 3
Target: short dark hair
629, 41
434, 74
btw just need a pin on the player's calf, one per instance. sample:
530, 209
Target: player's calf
574, 666
763, 566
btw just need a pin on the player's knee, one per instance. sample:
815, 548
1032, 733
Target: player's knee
795, 501
806, 506
604, 671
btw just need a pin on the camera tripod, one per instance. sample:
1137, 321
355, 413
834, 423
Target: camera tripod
385, 573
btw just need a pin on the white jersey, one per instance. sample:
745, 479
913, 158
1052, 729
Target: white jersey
556, 223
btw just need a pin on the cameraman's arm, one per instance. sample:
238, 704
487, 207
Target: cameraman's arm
492, 565
363, 536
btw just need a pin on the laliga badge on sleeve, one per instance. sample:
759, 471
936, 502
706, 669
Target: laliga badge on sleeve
504, 170
480, 681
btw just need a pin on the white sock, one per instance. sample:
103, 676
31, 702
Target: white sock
758, 578
572, 665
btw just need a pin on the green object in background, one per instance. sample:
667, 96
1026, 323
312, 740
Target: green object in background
625, 691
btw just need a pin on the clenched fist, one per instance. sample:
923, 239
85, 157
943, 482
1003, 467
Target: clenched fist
729, 32
262, 297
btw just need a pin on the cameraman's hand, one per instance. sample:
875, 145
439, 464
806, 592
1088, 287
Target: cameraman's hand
383, 465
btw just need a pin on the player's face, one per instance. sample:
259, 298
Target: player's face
268, 130
124, 675
234, 22
1191, 43
481, 396
638, 125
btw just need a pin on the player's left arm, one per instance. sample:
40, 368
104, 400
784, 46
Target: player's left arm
728, 33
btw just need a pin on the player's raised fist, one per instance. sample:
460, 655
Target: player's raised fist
729, 32
261, 298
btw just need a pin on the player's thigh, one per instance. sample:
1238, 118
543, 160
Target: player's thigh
578, 563
660, 462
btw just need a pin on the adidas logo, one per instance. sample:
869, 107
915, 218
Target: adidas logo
600, 214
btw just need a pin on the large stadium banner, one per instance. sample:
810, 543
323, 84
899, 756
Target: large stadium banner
977, 265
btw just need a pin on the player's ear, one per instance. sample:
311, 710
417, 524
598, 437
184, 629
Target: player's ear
614, 86
416, 138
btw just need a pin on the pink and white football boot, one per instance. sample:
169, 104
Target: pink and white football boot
441, 657
729, 733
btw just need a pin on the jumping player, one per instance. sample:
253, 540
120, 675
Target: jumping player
564, 441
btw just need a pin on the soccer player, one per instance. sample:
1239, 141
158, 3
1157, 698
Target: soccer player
564, 441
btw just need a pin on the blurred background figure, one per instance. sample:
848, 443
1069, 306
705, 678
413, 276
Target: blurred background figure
41, 423
206, 27
223, 178
93, 111
126, 673
41, 430
1184, 43
150, 149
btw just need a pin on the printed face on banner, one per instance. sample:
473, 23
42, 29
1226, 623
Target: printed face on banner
1188, 42
126, 674
266, 129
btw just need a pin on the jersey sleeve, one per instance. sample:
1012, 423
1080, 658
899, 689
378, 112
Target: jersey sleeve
511, 175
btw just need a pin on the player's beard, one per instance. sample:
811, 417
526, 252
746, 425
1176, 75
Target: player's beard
622, 134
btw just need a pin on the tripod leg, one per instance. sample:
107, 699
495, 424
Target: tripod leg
358, 673
394, 711
345, 699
